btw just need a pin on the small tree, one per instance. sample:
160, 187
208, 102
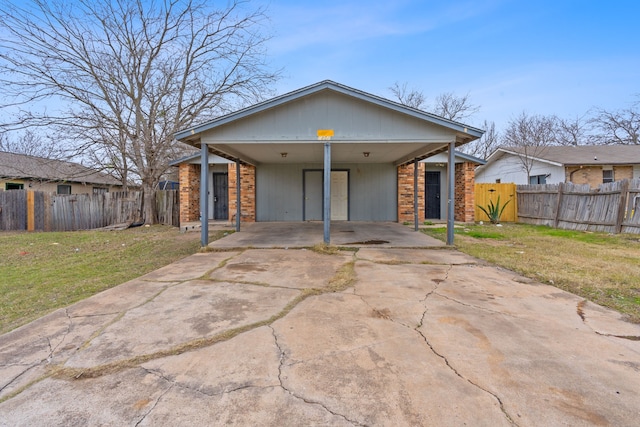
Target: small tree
529, 136
487, 144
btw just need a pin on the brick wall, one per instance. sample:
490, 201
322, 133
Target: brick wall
189, 177
464, 207
592, 175
247, 192
405, 193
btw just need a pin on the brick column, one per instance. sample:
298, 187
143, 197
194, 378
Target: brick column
465, 200
405, 193
189, 177
247, 192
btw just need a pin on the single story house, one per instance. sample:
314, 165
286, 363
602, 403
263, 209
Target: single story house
326, 152
22, 172
582, 164
434, 183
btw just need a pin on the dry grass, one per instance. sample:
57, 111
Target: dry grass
40, 272
600, 267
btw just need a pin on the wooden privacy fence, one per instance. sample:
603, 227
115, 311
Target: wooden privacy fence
611, 208
486, 193
37, 210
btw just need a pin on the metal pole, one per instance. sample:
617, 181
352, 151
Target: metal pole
204, 195
415, 194
238, 198
451, 166
327, 193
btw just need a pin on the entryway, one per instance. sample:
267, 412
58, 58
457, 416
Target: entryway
313, 181
220, 196
432, 194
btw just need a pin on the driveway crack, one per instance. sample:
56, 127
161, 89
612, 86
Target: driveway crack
293, 394
52, 349
444, 358
155, 404
15, 378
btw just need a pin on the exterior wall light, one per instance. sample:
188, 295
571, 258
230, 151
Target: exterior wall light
365, 153
283, 155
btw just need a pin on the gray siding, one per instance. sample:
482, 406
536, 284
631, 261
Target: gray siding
372, 191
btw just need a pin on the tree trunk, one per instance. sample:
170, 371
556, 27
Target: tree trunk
149, 204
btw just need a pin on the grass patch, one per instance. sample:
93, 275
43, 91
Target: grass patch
44, 271
600, 267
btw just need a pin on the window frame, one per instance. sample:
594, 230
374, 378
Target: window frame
66, 186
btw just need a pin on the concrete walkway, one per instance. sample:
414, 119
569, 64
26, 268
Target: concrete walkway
373, 336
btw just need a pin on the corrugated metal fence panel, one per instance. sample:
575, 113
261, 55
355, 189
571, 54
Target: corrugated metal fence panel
631, 223
13, 210
486, 193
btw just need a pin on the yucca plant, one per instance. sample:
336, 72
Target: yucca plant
494, 211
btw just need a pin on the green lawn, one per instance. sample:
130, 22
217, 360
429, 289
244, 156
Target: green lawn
40, 272
600, 267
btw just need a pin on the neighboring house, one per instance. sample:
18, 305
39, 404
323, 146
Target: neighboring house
22, 172
284, 147
583, 164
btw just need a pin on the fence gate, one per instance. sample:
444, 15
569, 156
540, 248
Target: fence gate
486, 193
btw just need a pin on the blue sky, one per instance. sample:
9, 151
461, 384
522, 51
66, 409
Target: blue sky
543, 57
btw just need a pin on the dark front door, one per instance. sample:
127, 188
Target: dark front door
220, 196
432, 195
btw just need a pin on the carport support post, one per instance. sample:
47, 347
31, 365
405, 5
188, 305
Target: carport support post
204, 192
415, 194
327, 193
451, 166
238, 195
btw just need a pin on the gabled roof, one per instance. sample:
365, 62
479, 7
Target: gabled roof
285, 129
576, 155
22, 166
187, 134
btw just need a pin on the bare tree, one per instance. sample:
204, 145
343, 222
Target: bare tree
32, 144
618, 127
123, 76
411, 98
453, 107
447, 105
571, 131
529, 136
486, 145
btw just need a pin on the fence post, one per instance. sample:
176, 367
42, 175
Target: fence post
556, 219
31, 210
622, 206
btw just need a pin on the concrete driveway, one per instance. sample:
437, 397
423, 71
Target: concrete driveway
369, 336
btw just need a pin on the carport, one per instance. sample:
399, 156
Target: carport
326, 152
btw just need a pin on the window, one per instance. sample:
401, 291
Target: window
13, 186
607, 176
64, 189
537, 179
100, 190
498, 181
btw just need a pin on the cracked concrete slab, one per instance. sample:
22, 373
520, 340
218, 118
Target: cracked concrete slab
416, 256
298, 269
190, 311
419, 337
190, 268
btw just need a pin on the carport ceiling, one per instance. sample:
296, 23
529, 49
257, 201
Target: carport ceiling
313, 152
361, 123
